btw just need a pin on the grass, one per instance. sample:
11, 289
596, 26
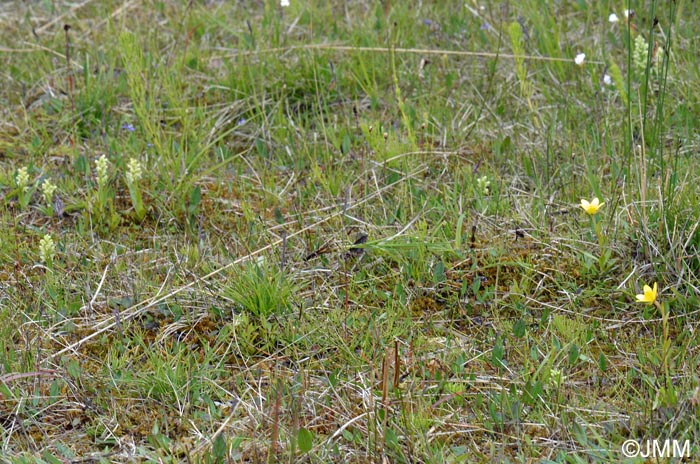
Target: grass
347, 232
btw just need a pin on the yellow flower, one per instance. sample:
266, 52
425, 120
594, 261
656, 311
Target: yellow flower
592, 207
649, 295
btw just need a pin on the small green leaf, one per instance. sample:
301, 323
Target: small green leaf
50, 458
195, 197
498, 352
305, 440
476, 285
519, 328
54, 390
505, 144
345, 145
439, 273
573, 354
333, 378
279, 217
73, 369
531, 392
391, 438
260, 148
219, 448
64, 450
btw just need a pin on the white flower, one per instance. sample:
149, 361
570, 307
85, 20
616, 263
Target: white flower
48, 189
556, 378
613, 18
627, 13
102, 168
607, 80
580, 58
47, 249
284, 3
134, 171
483, 183
22, 179
639, 55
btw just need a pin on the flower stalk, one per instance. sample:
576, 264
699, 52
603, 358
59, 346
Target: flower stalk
649, 297
591, 208
102, 170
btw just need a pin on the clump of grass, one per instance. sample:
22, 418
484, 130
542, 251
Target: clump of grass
261, 290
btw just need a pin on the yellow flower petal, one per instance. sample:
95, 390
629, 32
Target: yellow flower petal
591, 207
649, 295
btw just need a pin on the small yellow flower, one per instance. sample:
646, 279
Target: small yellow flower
649, 296
591, 207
